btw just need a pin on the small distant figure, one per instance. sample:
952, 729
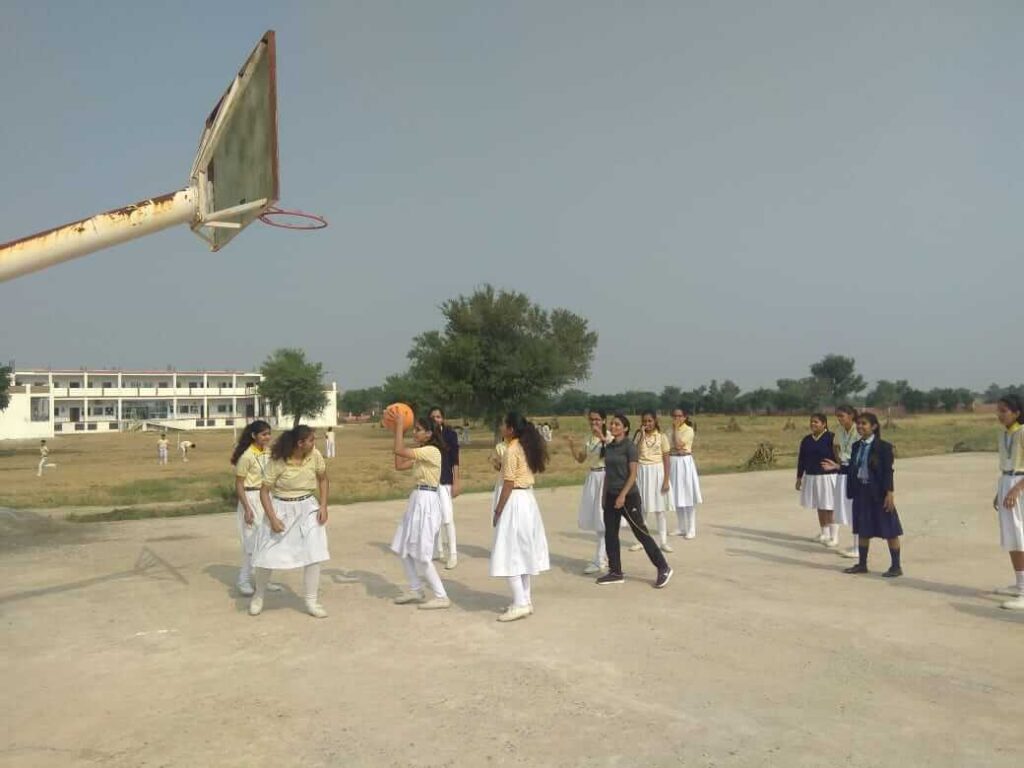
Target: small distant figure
44, 456
464, 435
329, 443
185, 446
545, 432
162, 448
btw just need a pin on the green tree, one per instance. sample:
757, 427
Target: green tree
760, 400
670, 398
362, 400
887, 393
499, 351
293, 383
5, 384
838, 374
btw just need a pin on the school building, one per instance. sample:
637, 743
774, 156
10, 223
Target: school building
45, 403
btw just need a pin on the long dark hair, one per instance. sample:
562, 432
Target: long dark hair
686, 416
285, 444
871, 419
534, 445
1012, 402
821, 417
849, 410
640, 430
248, 438
427, 424
604, 419
625, 428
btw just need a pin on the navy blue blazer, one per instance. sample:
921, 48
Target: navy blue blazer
880, 469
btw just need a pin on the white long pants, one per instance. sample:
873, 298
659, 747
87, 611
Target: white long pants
520, 586
687, 521
412, 573
310, 582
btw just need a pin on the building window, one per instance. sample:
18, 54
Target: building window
92, 427
229, 422
112, 425
74, 385
223, 409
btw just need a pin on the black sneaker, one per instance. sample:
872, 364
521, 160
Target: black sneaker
858, 568
611, 578
893, 573
663, 578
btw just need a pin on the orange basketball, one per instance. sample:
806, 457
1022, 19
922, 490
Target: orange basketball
394, 411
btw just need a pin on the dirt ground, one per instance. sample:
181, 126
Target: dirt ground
126, 645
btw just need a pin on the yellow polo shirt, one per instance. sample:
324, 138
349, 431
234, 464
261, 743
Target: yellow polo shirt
1011, 449
252, 465
291, 479
515, 468
651, 447
426, 465
594, 458
682, 437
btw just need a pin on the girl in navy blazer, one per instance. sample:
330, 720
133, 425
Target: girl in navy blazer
869, 484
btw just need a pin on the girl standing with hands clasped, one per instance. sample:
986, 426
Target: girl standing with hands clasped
1008, 494
250, 460
817, 485
591, 516
520, 548
621, 499
294, 534
653, 475
684, 482
414, 540
869, 482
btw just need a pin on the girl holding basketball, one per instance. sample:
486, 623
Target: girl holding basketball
413, 542
294, 499
520, 547
653, 475
590, 516
684, 483
250, 460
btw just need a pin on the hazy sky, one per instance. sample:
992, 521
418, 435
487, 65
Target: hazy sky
725, 189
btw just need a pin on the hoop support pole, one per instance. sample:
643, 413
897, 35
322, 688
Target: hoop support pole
79, 238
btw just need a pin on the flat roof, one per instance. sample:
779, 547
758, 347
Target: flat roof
137, 371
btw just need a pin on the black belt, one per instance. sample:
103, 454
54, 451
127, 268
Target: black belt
299, 498
255, 488
1013, 473
597, 469
427, 488
521, 488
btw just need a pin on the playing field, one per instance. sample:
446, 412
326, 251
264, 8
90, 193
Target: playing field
120, 470
126, 645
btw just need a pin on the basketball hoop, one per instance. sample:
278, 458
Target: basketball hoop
292, 219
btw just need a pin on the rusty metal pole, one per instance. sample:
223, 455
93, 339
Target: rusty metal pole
44, 249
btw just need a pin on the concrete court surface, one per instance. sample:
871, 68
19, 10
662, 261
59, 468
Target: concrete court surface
126, 645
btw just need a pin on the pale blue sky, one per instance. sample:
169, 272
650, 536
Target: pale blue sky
725, 189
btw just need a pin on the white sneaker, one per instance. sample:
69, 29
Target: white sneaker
435, 603
1014, 605
1011, 591
256, 606
689, 535
821, 538
245, 589
452, 562
832, 543
274, 587
409, 596
591, 568
666, 548
633, 548
316, 610
510, 606
676, 533
851, 553
515, 612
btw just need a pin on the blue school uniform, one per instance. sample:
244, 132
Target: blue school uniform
869, 477
813, 452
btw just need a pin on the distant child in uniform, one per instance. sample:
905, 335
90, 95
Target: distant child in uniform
591, 516
185, 446
294, 534
162, 446
44, 458
413, 541
250, 459
520, 548
652, 478
1009, 492
816, 483
684, 483
329, 443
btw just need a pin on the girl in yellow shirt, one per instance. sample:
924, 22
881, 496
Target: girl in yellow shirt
249, 459
652, 478
590, 516
1008, 501
685, 483
413, 542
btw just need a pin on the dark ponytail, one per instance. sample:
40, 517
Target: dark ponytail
871, 419
248, 438
534, 445
686, 416
427, 424
285, 444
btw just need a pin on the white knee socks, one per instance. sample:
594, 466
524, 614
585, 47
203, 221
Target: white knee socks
687, 520
662, 527
311, 583
526, 588
262, 579
518, 593
833, 532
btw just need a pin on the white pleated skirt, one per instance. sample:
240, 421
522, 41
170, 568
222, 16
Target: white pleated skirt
247, 533
422, 520
520, 544
1011, 521
303, 541
684, 484
444, 492
818, 492
842, 512
649, 479
591, 515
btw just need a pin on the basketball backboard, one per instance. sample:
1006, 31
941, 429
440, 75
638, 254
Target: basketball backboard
235, 172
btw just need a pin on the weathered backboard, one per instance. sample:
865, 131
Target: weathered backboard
235, 171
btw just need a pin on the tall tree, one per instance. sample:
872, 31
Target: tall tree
499, 351
838, 374
362, 400
887, 393
295, 384
5, 384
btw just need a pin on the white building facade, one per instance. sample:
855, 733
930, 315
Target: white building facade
45, 403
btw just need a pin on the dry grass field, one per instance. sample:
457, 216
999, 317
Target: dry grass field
120, 471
